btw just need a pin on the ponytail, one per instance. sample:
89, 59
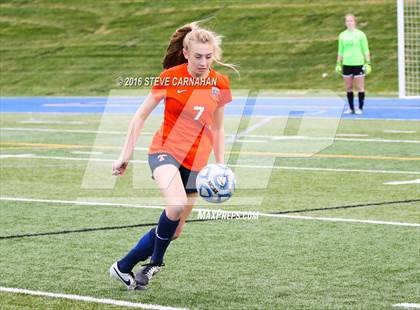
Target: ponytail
182, 38
174, 55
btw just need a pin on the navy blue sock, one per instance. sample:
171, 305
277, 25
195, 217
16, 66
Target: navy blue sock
350, 98
142, 251
361, 100
164, 232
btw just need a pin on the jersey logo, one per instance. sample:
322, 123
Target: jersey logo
161, 157
215, 91
180, 91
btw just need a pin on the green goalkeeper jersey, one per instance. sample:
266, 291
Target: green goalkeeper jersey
353, 46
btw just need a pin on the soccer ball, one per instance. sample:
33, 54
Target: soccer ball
215, 183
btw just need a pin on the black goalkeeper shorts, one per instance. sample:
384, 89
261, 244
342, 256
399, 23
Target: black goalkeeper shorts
353, 71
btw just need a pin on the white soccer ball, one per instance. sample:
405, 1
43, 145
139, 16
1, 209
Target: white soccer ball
216, 183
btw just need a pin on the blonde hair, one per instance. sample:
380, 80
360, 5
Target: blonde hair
350, 15
184, 36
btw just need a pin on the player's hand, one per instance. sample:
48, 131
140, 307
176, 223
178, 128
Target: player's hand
367, 68
338, 68
119, 166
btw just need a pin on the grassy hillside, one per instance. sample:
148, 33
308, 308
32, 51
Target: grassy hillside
81, 47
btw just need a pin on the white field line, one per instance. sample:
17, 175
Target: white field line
110, 132
378, 140
275, 104
326, 169
81, 203
283, 108
89, 153
257, 125
407, 306
232, 165
416, 181
15, 155
297, 217
231, 138
105, 301
351, 135
340, 139
65, 158
251, 141
43, 121
338, 219
399, 131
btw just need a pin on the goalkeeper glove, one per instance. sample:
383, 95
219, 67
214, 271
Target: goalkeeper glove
338, 68
367, 68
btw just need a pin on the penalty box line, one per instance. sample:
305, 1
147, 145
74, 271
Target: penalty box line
287, 216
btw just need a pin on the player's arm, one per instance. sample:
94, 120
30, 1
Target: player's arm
218, 131
366, 54
134, 130
339, 63
367, 66
365, 48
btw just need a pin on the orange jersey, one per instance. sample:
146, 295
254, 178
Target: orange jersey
190, 104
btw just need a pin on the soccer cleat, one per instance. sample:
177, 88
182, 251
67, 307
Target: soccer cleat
145, 274
126, 278
349, 111
359, 111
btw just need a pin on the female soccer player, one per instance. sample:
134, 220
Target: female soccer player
353, 61
195, 95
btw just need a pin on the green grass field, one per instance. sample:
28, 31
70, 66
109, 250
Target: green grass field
332, 234
81, 47
269, 263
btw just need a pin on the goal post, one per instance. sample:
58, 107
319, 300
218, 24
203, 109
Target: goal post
408, 19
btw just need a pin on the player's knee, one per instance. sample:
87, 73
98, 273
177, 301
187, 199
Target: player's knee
177, 201
180, 200
176, 211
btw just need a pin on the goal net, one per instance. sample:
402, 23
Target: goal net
408, 48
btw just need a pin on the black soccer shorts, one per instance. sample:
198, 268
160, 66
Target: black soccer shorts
353, 71
188, 177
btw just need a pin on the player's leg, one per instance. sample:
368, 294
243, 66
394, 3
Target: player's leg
146, 245
189, 179
140, 252
360, 84
148, 271
170, 183
144, 248
192, 198
172, 188
348, 84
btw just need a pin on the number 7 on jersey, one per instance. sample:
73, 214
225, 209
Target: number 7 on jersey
200, 110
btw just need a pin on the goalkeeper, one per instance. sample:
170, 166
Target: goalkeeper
353, 62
